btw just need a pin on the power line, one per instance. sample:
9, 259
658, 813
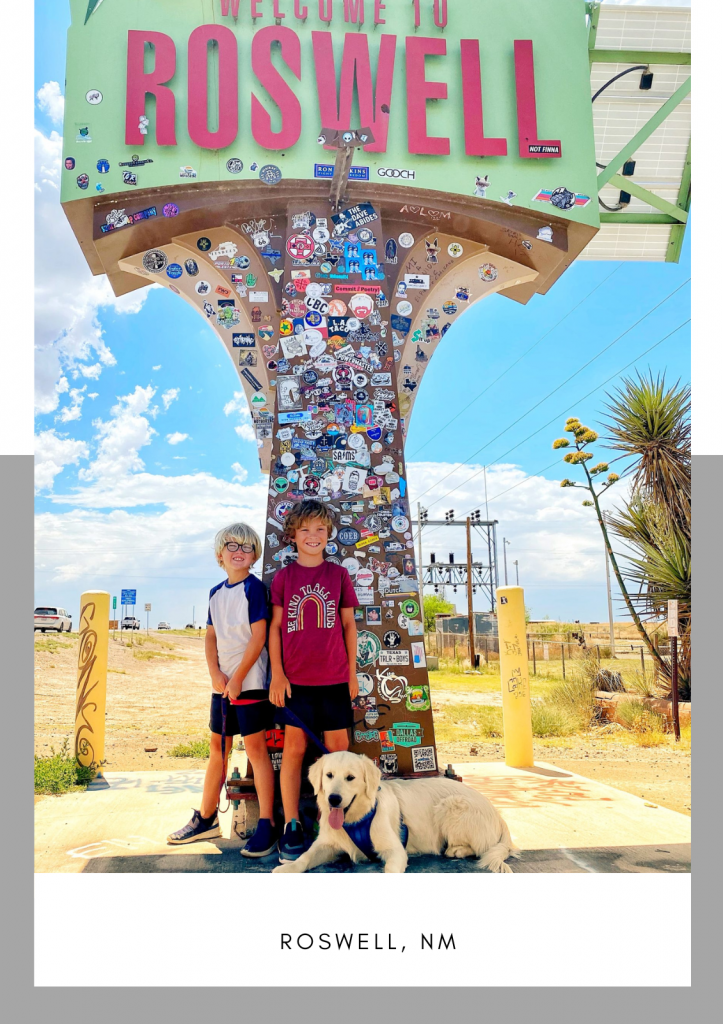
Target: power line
549, 422
559, 386
518, 360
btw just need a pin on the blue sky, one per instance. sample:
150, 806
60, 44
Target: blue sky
125, 499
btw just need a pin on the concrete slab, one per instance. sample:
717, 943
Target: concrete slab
562, 822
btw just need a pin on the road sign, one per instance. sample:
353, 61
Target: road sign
128, 597
147, 608
115, 599
673, 618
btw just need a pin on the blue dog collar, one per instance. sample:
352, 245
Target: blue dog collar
360, 833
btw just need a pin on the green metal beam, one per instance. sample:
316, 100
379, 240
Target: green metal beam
640, 137
638, 57
677, 233
593, 9
638, 218
628, 185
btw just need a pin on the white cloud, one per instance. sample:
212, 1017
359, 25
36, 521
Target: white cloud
120, 438
93, 394
239, 404
156, 367
169, 396
68, 299
74, 410
51, 102
240, 474
52, 453
176, 437
246, 432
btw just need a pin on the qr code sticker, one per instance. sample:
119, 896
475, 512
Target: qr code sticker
423, 759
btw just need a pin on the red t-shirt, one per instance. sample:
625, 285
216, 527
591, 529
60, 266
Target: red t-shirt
312, 637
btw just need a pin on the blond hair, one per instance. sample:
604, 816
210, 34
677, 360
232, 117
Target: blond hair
242, 534
303, 510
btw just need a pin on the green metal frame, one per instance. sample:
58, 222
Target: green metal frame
675, 214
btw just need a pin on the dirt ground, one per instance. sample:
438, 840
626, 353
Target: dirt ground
158, 695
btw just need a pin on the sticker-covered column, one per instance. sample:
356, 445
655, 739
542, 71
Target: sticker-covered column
337, 436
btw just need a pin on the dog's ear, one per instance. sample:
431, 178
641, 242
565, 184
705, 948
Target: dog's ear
372, 777
315, 775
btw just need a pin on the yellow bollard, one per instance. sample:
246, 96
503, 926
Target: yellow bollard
515, 675
92, 677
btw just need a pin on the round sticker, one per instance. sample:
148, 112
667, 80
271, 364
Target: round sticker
406, 240
102, 167
299, 247
348, 535
174, 270
365, 235
356, 441
258, 401
155, 260
450, 308
170, 210
320, 235
353, 324
361, 305
310, 376
365, 578
94, 97
488, 272
337, 307
314, 319
204, 244
242, 262
376, 448
288, 459
360, 380
314, 290
392, 638
332, 547
366, 683
286, 328
281, 484
404, 308
82, 181
326, 267
281, 509
455, 250
69, 163
270, 174
400, 524
234, 165
409, 607
191, 268
203, 287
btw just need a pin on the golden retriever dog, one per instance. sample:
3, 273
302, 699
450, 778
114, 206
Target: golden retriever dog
368, 819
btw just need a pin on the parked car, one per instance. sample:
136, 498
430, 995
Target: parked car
52, 618
164, 625
130, 623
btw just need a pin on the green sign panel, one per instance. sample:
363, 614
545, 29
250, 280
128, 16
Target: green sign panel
485, 100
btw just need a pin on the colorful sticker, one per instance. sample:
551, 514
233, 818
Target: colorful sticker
368, 648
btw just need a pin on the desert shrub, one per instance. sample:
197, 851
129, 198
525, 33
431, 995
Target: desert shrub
647, 727
196, 748
549, 720
59, 772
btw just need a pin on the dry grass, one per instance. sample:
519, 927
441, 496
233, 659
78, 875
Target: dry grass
151, 655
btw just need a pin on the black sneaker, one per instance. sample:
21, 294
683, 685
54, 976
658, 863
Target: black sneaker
263, 841
293, 842
197, 828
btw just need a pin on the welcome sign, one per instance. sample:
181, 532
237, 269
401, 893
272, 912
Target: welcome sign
491, 100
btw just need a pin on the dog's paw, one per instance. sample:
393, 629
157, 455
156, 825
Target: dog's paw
288, 867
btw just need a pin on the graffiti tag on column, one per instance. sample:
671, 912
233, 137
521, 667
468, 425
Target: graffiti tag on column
512, 646
517, 683
83, 703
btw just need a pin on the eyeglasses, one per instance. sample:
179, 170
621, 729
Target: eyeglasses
233, 546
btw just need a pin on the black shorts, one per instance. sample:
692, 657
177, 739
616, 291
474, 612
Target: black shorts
321, 708
241, 719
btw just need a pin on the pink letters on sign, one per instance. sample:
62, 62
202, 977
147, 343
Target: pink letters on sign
198, 87
419, 90
300, 12
475, 143
276, 87
138, 83
530, 145
355, 65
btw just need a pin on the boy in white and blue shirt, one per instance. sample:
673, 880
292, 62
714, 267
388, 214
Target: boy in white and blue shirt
238, 663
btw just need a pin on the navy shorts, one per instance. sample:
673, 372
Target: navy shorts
321, 708
241, 719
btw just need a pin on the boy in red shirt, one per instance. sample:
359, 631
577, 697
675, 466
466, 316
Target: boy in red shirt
313, 650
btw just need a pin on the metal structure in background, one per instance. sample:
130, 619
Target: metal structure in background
640, 84
456, 574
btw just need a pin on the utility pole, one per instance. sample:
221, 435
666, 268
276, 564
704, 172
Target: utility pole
420, 568
517, 572
470, 609
610, 606
505, 545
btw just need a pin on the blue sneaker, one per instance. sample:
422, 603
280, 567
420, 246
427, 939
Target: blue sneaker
263, 841
197, 828
293, 842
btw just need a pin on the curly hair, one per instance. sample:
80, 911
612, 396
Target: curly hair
303, 510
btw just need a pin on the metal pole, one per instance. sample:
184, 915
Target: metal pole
487, 653
534, 659
504, 553
610, 605
562, 648
470, 609
674, 663
421, 569
642, 660
494, 542
489, 559
487, 508
517, 572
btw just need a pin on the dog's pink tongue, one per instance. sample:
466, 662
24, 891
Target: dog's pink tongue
336, 817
